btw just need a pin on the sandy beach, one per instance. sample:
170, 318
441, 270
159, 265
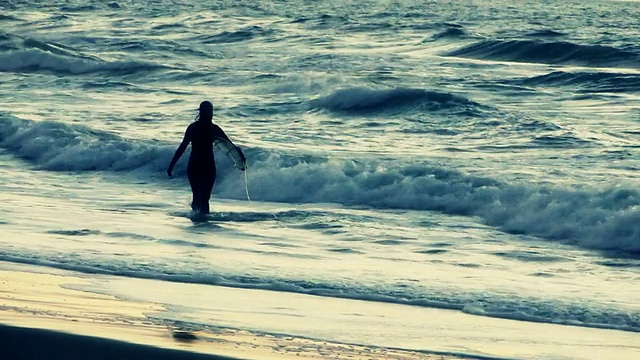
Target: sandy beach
49, 313
42, 318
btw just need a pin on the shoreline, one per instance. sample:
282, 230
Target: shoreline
42, 317
230, 323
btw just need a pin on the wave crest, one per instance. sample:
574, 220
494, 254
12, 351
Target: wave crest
60, 147
244, 34
19, 54
606, 219
589, 81
560, 52
449, 33
366, 100
37, 61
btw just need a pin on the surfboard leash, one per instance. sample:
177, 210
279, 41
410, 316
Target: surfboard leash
246, 186
246, 181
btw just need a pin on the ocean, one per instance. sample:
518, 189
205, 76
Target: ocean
479, 157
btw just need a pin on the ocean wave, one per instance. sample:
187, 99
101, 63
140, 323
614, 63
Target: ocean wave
588, 81
604, 219
35, 60
600, 219
244, 34
323, 21
9, 41
4, 17
61, 147
26, 54
559, 140
299, 84
369, 27
544, 34
485, 303
79, 8
367, 101
449, 33
560, 52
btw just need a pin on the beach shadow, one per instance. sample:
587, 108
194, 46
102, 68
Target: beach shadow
184, 336
29, 343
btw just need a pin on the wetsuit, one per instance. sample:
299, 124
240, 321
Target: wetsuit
201, 169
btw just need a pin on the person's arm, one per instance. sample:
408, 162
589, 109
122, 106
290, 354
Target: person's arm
218, 133
181, 149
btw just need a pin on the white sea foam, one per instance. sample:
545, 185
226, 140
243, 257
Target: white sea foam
594, 218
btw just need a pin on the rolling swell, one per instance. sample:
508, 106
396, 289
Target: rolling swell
545, 34
605, 219
452, 32
244, 34
559, 52
44, 61
362, 100
19, 54
598, 218
588, 81
60, 147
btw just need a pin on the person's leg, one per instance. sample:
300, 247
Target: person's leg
207, 189
196, 186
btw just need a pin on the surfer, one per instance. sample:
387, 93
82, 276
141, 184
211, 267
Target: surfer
201, 168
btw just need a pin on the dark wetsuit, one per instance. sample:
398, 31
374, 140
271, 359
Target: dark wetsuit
201, 169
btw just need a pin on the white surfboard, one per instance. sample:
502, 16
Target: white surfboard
232, 152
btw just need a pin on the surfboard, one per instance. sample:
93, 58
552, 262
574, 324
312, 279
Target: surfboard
232, 152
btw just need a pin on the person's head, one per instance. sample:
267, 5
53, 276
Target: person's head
206, 111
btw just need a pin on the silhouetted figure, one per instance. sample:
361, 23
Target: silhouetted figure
201, 169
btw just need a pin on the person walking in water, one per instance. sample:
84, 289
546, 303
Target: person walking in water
201, 168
